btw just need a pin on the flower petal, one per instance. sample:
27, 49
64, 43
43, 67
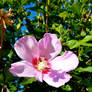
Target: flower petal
50, 46
22, 69
38, 76
25, 69
67, 62
56, 78
27, 48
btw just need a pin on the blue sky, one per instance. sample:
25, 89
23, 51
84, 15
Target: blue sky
31, 17
34, 13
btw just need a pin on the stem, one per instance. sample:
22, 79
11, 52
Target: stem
1, 54
43, 16
60, 5
79, 52
77, 77
39, 15
47, 4
88, 15
46, 23
82, 14
85, 19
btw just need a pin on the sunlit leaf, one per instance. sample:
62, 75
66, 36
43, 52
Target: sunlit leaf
28, 81
86, 69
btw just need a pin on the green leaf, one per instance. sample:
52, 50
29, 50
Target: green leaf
83, 33
64, 14
66, 88
76, 8
18, 25
28, 81
1, 79
88, 84
87, 38
10, 54
73, 44
84, 42
87, 69
57, 27
89, 89
13, 88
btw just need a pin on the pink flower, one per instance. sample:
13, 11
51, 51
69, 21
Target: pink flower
39, 60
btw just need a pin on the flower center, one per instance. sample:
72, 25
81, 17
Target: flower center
41, 64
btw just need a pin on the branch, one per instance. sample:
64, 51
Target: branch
86, 19
39, 14
88, 15
47, 16
1, 54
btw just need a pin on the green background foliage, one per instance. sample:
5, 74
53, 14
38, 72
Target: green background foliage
66, 18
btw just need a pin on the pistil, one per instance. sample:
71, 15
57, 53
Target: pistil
41, 65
